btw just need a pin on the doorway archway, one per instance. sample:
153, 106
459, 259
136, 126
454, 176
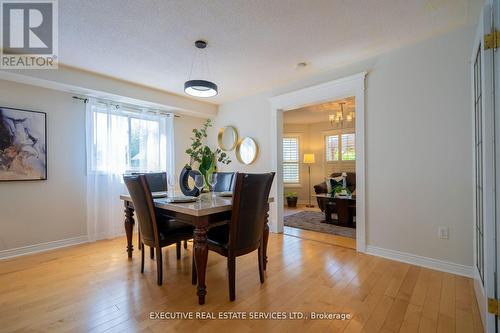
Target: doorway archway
353, 85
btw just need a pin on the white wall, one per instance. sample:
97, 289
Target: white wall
36, 212
183, 131
250, 116
418, 101
418, 147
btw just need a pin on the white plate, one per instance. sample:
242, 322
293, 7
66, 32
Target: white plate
182, 199
159, 194
225, 194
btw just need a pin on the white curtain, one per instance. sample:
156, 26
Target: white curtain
119, 141
170, 147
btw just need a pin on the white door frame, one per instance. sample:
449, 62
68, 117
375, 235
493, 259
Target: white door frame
353, 85
496, 97
483, 292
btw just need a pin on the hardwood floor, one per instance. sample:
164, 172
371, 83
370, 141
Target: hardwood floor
95, 288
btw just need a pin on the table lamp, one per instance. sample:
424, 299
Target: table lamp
309, 159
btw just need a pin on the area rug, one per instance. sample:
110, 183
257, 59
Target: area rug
312, 221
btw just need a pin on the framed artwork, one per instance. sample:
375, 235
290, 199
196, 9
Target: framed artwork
23, 144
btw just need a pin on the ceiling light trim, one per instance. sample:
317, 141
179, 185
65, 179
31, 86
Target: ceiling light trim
198, 87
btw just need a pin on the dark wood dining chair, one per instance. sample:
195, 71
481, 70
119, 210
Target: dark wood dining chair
225, 182
157, 182
157, 231
244, 233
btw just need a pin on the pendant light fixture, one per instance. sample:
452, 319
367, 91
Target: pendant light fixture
200, 88
338, 117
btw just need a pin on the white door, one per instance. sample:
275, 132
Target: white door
495, 27
483, 93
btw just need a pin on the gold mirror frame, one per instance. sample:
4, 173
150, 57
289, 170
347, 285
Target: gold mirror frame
222, 130
238, 150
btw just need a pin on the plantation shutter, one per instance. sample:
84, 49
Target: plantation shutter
348, 147
332, 148
291, 160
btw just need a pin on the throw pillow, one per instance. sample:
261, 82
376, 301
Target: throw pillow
333, 180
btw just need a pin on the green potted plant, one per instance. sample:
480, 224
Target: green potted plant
202, 155
291, 199
340, 191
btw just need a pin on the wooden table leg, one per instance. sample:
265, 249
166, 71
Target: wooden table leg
265, 237
342, 211
328, 213
200, 258
129, 228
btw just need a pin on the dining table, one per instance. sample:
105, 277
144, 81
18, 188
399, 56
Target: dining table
207, 212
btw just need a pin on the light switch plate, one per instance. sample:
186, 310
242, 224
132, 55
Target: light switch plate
443, 233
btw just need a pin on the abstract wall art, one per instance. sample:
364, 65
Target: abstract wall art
23, 145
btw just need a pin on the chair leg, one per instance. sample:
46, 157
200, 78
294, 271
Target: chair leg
159, 266
142, 257
231, 269
261, 263
152, 252
194, 274
178, 250
185, 244
139, 242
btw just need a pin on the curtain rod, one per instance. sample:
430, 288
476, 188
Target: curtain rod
86, 100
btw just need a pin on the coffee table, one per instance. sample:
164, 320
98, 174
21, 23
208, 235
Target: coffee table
344, 207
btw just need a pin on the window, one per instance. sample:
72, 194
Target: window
125, 141
479, 168
332, 148
291, 160
144, 144
340, 147
120, 140
348, 147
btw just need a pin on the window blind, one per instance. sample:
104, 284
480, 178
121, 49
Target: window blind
291, 160
348, 147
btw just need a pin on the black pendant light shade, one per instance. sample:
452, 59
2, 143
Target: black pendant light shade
200, 88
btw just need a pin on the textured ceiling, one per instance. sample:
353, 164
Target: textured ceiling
318, 113
254, 45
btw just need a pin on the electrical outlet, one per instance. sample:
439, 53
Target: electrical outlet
443, 233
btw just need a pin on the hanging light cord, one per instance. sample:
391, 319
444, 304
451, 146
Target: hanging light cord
207, 66
192, 64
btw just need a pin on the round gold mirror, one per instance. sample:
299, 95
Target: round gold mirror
227, 138
247, 150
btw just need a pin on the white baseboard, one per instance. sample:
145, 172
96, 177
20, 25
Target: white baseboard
20, 251
440, 265
101, 236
